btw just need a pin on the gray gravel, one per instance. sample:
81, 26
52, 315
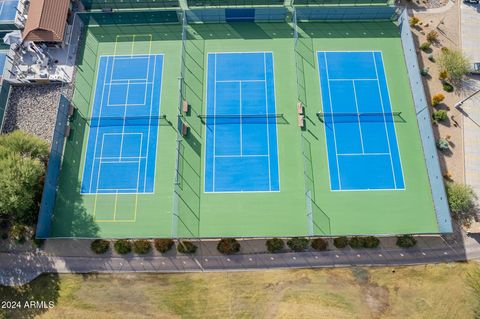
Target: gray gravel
33, 109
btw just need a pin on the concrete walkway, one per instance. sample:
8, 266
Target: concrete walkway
470, 26
20, 268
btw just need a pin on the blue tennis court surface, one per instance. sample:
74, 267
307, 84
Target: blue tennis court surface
361, 141
241, 137
122, 142
8, 10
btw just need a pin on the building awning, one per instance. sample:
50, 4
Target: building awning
46, 20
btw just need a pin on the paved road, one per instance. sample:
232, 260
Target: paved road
21, 268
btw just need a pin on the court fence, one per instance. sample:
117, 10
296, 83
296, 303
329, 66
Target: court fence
425, 127
53, 170
5, 89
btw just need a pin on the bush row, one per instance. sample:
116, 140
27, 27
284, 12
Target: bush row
229, 246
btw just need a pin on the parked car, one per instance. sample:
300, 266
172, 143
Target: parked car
476, 68
471, 1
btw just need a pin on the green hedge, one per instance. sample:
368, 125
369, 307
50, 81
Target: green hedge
123, 246
319, 244
100, 246
163, 245
297, 244
340, 242
274, 245
186, 247
141, 246
228, 246
406, 241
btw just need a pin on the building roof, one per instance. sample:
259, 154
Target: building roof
46, 20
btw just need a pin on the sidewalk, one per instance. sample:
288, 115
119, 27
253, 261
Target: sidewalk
16, 269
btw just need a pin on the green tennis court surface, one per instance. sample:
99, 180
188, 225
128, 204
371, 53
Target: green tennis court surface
180, 204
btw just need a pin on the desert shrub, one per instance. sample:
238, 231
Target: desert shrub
443, 75
437, 99
443, 144
432, 36
274, 245
100, 246
461, 200
186, 247
431, 57
228, 246
371, 242
319, 244
297, 244
447, 87
414, 21
123, 246
340, 242
440, 115
18, 232
406, 241
456, 64
424, 71
141, 246
357, 242
425, 46
163, 245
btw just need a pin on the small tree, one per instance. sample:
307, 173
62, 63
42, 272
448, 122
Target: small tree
18, 232
432, 36
274, 245
100, 246
357, 242
297, 244
440, 115
228, 246
340, 242
456, 64
406, 241
163, 245
186, 247
141, 246
437, 99
371, 242
319, 244
461, 200
123, 246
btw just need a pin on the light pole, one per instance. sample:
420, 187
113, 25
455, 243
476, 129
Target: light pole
458, 104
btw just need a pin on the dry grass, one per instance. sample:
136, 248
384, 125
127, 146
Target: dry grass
434, 291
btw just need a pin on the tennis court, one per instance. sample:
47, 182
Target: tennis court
359, 123
241, 139
8, 10
122, 141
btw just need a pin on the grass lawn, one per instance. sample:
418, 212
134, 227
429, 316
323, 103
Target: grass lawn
432, 291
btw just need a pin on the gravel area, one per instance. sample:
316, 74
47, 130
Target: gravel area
422, 4
33, 109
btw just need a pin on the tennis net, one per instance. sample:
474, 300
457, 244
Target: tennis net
242, 118
106, 121
343, 117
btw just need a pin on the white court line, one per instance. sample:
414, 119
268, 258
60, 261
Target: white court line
241, 120
358, 117
236, 156
214, 119
268, 122
235, 81
339, 80
364, 154
124, 119
333, 121
125, 157
385, 121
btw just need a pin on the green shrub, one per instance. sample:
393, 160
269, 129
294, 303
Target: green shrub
424, 72
319, 244
340, 242
440, 115
431, 58
461, 200
274, 245
228, 246
371, 242
100, 246
141, 246
443, 144
163, 245
186, 247
425, 47
406, 241
297, 244
357, 242
123, 246
447, 87
456, 63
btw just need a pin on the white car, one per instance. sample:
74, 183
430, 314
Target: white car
476, 68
